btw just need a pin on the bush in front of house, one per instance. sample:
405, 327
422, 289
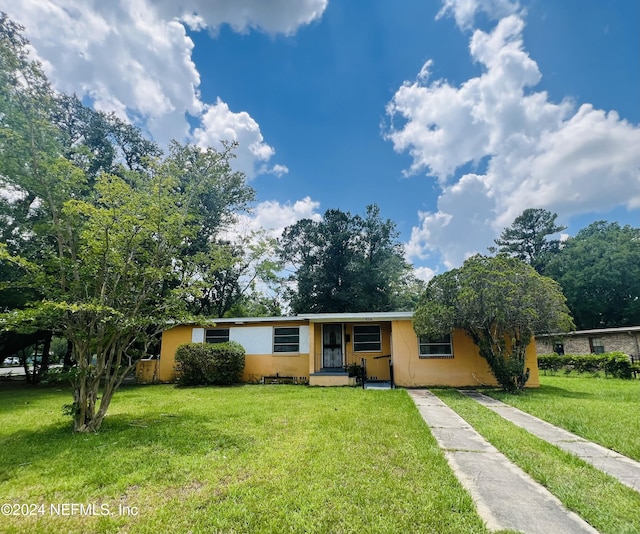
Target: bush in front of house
616, 364
218, 364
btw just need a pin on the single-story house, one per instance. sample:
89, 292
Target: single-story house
596, 341
316, 348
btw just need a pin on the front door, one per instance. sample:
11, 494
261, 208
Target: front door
332, 346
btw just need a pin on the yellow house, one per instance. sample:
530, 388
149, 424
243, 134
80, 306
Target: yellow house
316, 348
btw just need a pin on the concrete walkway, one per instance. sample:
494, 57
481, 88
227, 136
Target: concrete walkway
505, 496
624, 469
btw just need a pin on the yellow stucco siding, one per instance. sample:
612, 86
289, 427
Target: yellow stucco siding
377, 368
466, 368
256, 365
171, 340
259, 365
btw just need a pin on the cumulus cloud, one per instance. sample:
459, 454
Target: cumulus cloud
424, 273
273, 217
218, 123
275, 16
526, 151
134, 57
464, 11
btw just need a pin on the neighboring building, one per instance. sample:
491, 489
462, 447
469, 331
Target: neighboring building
597, 341
315, 349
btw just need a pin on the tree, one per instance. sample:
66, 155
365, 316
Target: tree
500, 302
232, 276
345, 263
526, 239
99, 232
99, 142
599, 271
28, 148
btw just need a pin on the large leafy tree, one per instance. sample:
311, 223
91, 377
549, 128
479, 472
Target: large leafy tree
98, 230
99, 142
232, 277
500, 302
528, 237
346, 263
599, 271
112, 284
28, 149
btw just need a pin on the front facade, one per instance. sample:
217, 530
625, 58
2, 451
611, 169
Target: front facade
596, 341
316, 349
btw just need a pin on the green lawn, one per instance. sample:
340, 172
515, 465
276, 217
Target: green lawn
244, 459
604, 410
597, 407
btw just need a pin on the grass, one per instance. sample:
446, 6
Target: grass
601, 500
243, 459
604, 410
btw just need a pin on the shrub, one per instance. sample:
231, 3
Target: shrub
210, 363
619, 365
354, 369
58, 375
616, 364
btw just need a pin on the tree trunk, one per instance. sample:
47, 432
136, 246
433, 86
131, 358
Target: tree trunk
44, 361
89, 411
506, 360
68, 361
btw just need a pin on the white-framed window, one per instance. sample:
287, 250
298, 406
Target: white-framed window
367, 338
216, 335
435, 347
286, 339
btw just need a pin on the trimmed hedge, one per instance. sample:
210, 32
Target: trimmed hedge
217, 364
617, 364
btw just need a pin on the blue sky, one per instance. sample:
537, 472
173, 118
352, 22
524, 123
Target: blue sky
453, 116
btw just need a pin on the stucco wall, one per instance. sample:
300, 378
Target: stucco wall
377, 368
256, 365
171, 339
466, 368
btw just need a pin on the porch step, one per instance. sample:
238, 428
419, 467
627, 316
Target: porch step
377, 385
331, 378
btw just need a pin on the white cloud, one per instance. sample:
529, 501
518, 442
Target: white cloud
134, 57
275, 16
464, 11
273, 217
424, 273
527, 150
459, 228
278, 170
218, 122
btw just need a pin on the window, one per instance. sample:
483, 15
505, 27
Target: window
367, 338
435, 347
286, 339
216, 335
597, 345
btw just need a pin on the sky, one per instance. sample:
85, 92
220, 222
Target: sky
453, 116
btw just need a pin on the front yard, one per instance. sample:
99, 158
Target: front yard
242, 459
292, 458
